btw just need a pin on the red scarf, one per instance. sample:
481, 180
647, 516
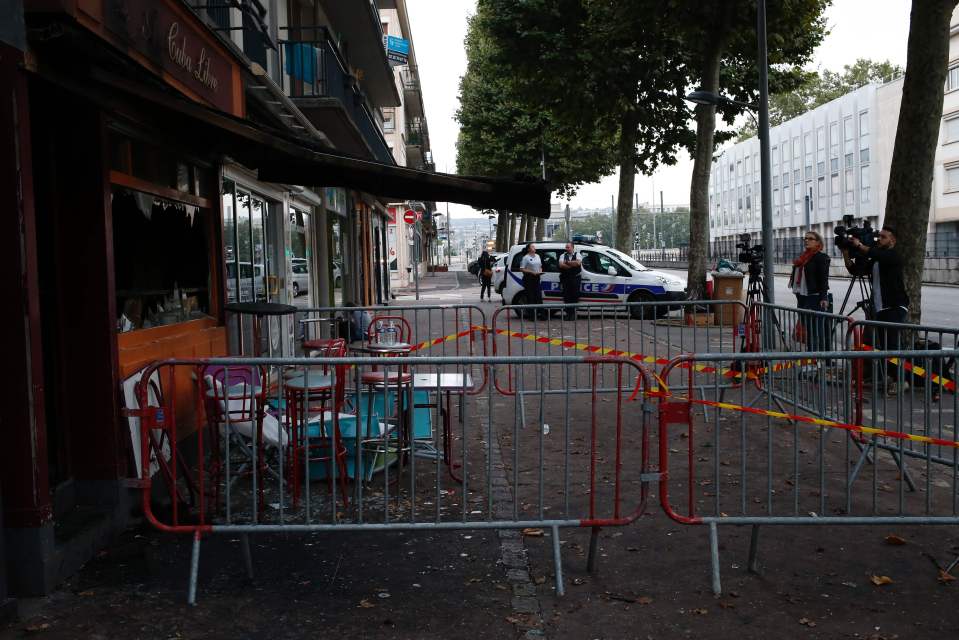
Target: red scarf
801, 261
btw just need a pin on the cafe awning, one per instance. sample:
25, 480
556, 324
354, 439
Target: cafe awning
281, 157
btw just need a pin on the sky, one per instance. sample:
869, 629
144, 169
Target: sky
876, 29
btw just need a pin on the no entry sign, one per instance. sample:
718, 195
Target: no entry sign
409, 217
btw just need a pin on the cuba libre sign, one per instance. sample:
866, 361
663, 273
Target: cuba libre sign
177, 43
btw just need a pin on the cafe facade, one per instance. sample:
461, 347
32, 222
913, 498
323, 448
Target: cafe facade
142, 197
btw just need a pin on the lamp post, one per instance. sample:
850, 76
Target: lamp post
707, 97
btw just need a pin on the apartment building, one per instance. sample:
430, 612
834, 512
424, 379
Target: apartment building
834, 161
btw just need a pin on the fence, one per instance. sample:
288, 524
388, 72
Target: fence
646, 332
390, 453
783, 466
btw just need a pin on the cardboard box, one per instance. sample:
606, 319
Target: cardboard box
698, 319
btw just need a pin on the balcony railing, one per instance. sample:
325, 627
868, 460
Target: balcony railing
417, 134
410, 78
313, 67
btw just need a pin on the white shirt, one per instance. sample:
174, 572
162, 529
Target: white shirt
531, 262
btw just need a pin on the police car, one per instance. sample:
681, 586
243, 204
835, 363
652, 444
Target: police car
608, 276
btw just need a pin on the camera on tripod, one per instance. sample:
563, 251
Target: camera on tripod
848, 229
751, 255
857, 264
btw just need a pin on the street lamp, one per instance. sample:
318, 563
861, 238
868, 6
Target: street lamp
706, 97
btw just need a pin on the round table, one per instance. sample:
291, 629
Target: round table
259, 310
384, 349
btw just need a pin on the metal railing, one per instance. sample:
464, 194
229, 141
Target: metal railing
314, 67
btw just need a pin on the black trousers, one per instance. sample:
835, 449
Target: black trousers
486, 285
571, 287
534, 295
889, 338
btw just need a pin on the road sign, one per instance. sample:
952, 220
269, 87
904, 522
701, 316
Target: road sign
409, 217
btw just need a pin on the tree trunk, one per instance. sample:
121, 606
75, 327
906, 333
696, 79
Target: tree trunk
522, 229
540, 229
530, 229
699, 185
512, 231
909, 195
627, 182
502, 226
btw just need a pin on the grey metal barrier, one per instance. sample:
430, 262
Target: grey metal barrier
647, 332
756, 464
349, 444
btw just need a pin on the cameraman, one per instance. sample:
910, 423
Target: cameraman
890, 302
889, 299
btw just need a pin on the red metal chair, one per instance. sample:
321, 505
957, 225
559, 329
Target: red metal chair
308, 392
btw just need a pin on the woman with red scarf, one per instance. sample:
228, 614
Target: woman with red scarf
810, 282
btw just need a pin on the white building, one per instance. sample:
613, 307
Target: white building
832, 161
407, 137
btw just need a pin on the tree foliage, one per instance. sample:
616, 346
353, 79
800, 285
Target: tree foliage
818, 88
503, 135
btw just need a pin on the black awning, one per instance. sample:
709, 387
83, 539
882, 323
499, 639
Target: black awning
281, 157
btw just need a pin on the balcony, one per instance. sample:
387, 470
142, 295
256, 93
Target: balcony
417, 142
358, 22
316, 77
412, 94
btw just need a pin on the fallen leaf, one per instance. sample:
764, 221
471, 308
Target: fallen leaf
700, 612
895, 540
533, 533
85, 594
472, 581
36, 628
945, 577
880, 580
366, 604
539, 580
644, 600
579, 581
725, 604
807, 622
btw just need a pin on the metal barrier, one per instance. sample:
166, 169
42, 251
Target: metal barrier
756, 465
647, 332
437, 330
390, 453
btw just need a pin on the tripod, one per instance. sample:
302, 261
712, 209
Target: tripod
865, 296
756, 292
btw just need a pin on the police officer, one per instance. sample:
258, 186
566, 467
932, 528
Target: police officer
532, 267
570, 277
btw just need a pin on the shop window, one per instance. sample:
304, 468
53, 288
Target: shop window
161, 260
157, 165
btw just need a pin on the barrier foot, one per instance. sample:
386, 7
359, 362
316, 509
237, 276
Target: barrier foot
591, 558
714, 557
753, 564
558, 563
194, 570
901, 463
247, 555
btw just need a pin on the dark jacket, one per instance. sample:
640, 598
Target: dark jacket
816, 276
486, 261
893, 289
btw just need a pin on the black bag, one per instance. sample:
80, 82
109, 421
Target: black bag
474, 267
944, 368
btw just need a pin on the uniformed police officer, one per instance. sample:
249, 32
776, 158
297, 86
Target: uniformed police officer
532, 267
570, 277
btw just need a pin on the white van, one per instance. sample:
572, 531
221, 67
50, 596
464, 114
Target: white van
609, 276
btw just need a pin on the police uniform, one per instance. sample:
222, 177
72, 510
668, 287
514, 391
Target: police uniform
534, 294
571, 278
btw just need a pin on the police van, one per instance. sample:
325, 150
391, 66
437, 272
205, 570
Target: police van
608, 276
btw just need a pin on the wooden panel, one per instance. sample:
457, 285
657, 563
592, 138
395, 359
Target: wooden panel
195, 339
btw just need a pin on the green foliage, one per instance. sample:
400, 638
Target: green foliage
671, 228
503, 135
816, 89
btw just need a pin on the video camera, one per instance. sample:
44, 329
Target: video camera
865, 234
751, 255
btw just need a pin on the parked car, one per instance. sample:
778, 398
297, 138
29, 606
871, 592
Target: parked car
337, 275
499, 273
301, 276
249, 274
609, 276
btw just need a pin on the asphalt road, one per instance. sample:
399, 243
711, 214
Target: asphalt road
940, 304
